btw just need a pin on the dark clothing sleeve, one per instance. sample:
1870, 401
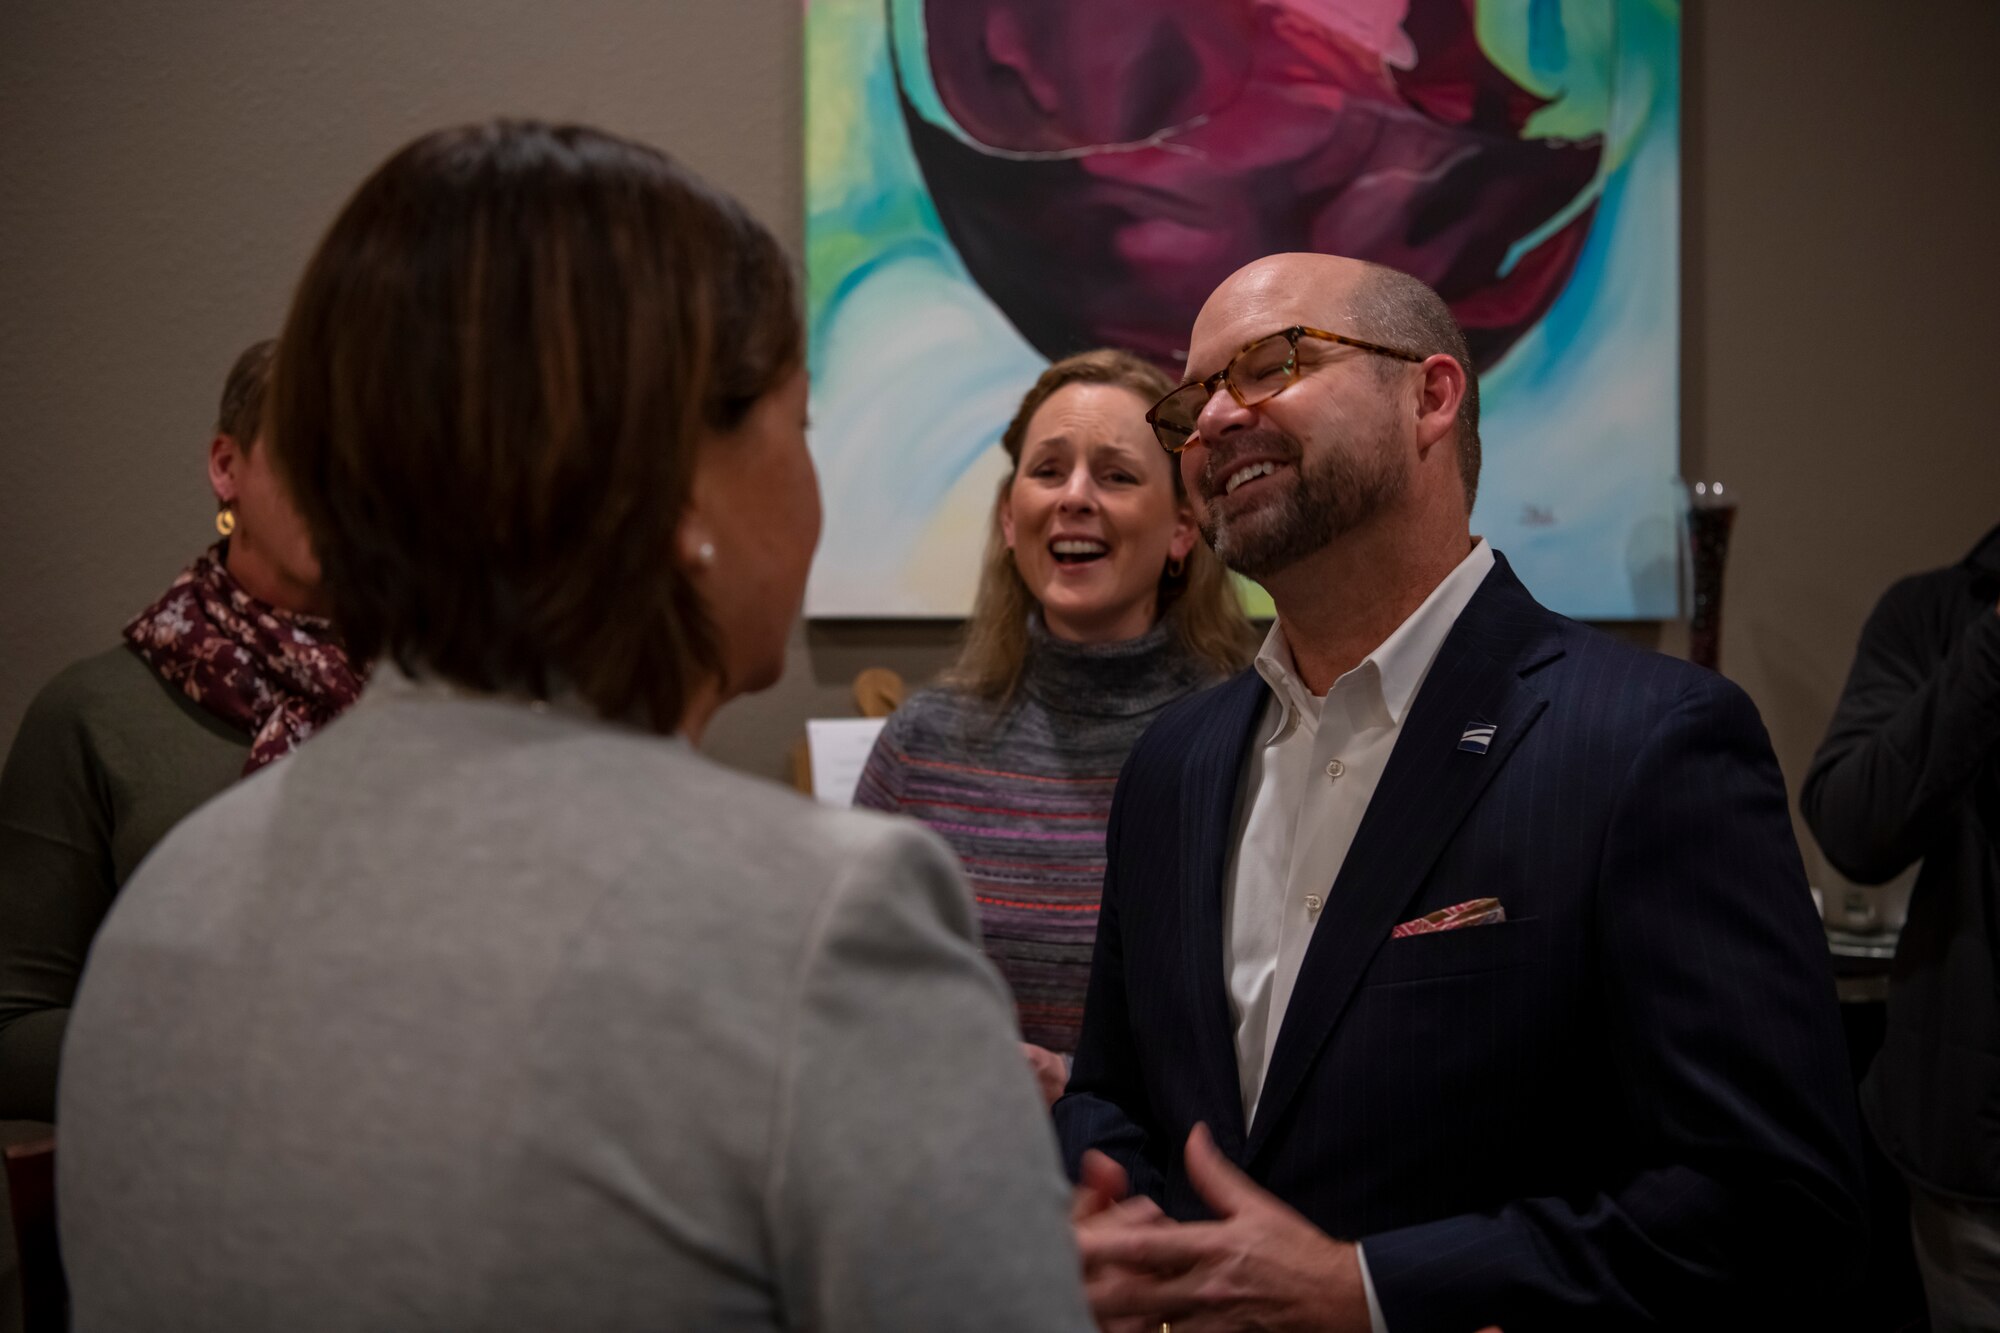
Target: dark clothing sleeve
56, 884
1910, 770
1920, 713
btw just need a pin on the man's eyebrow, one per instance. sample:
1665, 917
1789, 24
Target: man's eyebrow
1187, 372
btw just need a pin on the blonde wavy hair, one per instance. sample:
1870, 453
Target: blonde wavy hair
1198, 602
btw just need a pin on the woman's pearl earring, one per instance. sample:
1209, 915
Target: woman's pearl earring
704, 555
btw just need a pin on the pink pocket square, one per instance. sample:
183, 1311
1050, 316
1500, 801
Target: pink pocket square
1474, 912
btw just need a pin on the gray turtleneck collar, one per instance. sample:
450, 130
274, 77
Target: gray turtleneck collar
1123, 679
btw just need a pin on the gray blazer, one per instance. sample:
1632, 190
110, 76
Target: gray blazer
477, 1016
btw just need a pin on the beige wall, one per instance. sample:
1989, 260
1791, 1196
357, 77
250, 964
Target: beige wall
164, 170
1843, 310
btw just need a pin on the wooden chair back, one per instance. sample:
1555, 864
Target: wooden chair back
31, 1199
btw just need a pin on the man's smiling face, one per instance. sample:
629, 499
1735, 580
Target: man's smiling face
1275, 483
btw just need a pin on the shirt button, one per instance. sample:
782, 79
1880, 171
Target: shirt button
1335, 768
1313, 904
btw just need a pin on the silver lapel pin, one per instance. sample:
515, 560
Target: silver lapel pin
1477, 738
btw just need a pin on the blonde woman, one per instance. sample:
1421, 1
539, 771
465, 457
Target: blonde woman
1098, 606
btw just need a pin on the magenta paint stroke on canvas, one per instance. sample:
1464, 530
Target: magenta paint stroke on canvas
1118, 158
992, 183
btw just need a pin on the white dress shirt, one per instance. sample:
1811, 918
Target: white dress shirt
1303, 792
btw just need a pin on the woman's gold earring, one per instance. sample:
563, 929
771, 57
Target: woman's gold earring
1176, 567
225, 520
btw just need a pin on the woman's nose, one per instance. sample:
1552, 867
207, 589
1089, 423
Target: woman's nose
1079, 492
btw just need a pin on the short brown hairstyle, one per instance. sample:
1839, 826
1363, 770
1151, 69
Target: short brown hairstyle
1199, 601
241, 416
1398, 310
488, 399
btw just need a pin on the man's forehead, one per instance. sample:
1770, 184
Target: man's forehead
1262, 299
1218, 335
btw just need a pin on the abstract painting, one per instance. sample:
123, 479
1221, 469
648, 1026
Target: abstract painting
991, 184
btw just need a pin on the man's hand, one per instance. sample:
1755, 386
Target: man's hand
1051, 1074
1103, 1182
1260, 1266
1100, 1203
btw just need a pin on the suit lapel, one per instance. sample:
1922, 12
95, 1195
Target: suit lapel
1207, 819
1426, 791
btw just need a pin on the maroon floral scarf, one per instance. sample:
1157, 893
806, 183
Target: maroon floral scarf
278, 675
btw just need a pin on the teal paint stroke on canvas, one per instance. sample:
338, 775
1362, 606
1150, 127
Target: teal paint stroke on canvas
917, 366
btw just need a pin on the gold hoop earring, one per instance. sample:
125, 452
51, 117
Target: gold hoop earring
225, 520
1176, 567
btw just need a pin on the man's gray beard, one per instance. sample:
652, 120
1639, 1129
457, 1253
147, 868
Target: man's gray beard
1334, 496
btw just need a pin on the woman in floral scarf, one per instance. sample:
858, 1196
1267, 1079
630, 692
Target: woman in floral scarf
228, 671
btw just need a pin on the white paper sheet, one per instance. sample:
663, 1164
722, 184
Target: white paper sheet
839, 748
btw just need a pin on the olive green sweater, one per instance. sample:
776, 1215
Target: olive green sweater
108, 758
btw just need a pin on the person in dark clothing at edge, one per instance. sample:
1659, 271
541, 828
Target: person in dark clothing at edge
1909, 770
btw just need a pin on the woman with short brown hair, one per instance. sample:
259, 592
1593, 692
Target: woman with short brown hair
500, 1006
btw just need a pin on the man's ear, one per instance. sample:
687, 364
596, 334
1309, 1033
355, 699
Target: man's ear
1438, 399
225, 458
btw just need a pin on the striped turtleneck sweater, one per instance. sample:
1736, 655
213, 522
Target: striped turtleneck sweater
1023, 793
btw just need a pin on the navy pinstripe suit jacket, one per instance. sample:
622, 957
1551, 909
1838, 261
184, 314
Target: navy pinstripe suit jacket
1628, 1105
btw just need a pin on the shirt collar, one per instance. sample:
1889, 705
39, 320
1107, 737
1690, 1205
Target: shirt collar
1295, 702
1397, 667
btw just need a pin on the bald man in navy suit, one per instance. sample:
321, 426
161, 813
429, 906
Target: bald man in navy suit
1456, 964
